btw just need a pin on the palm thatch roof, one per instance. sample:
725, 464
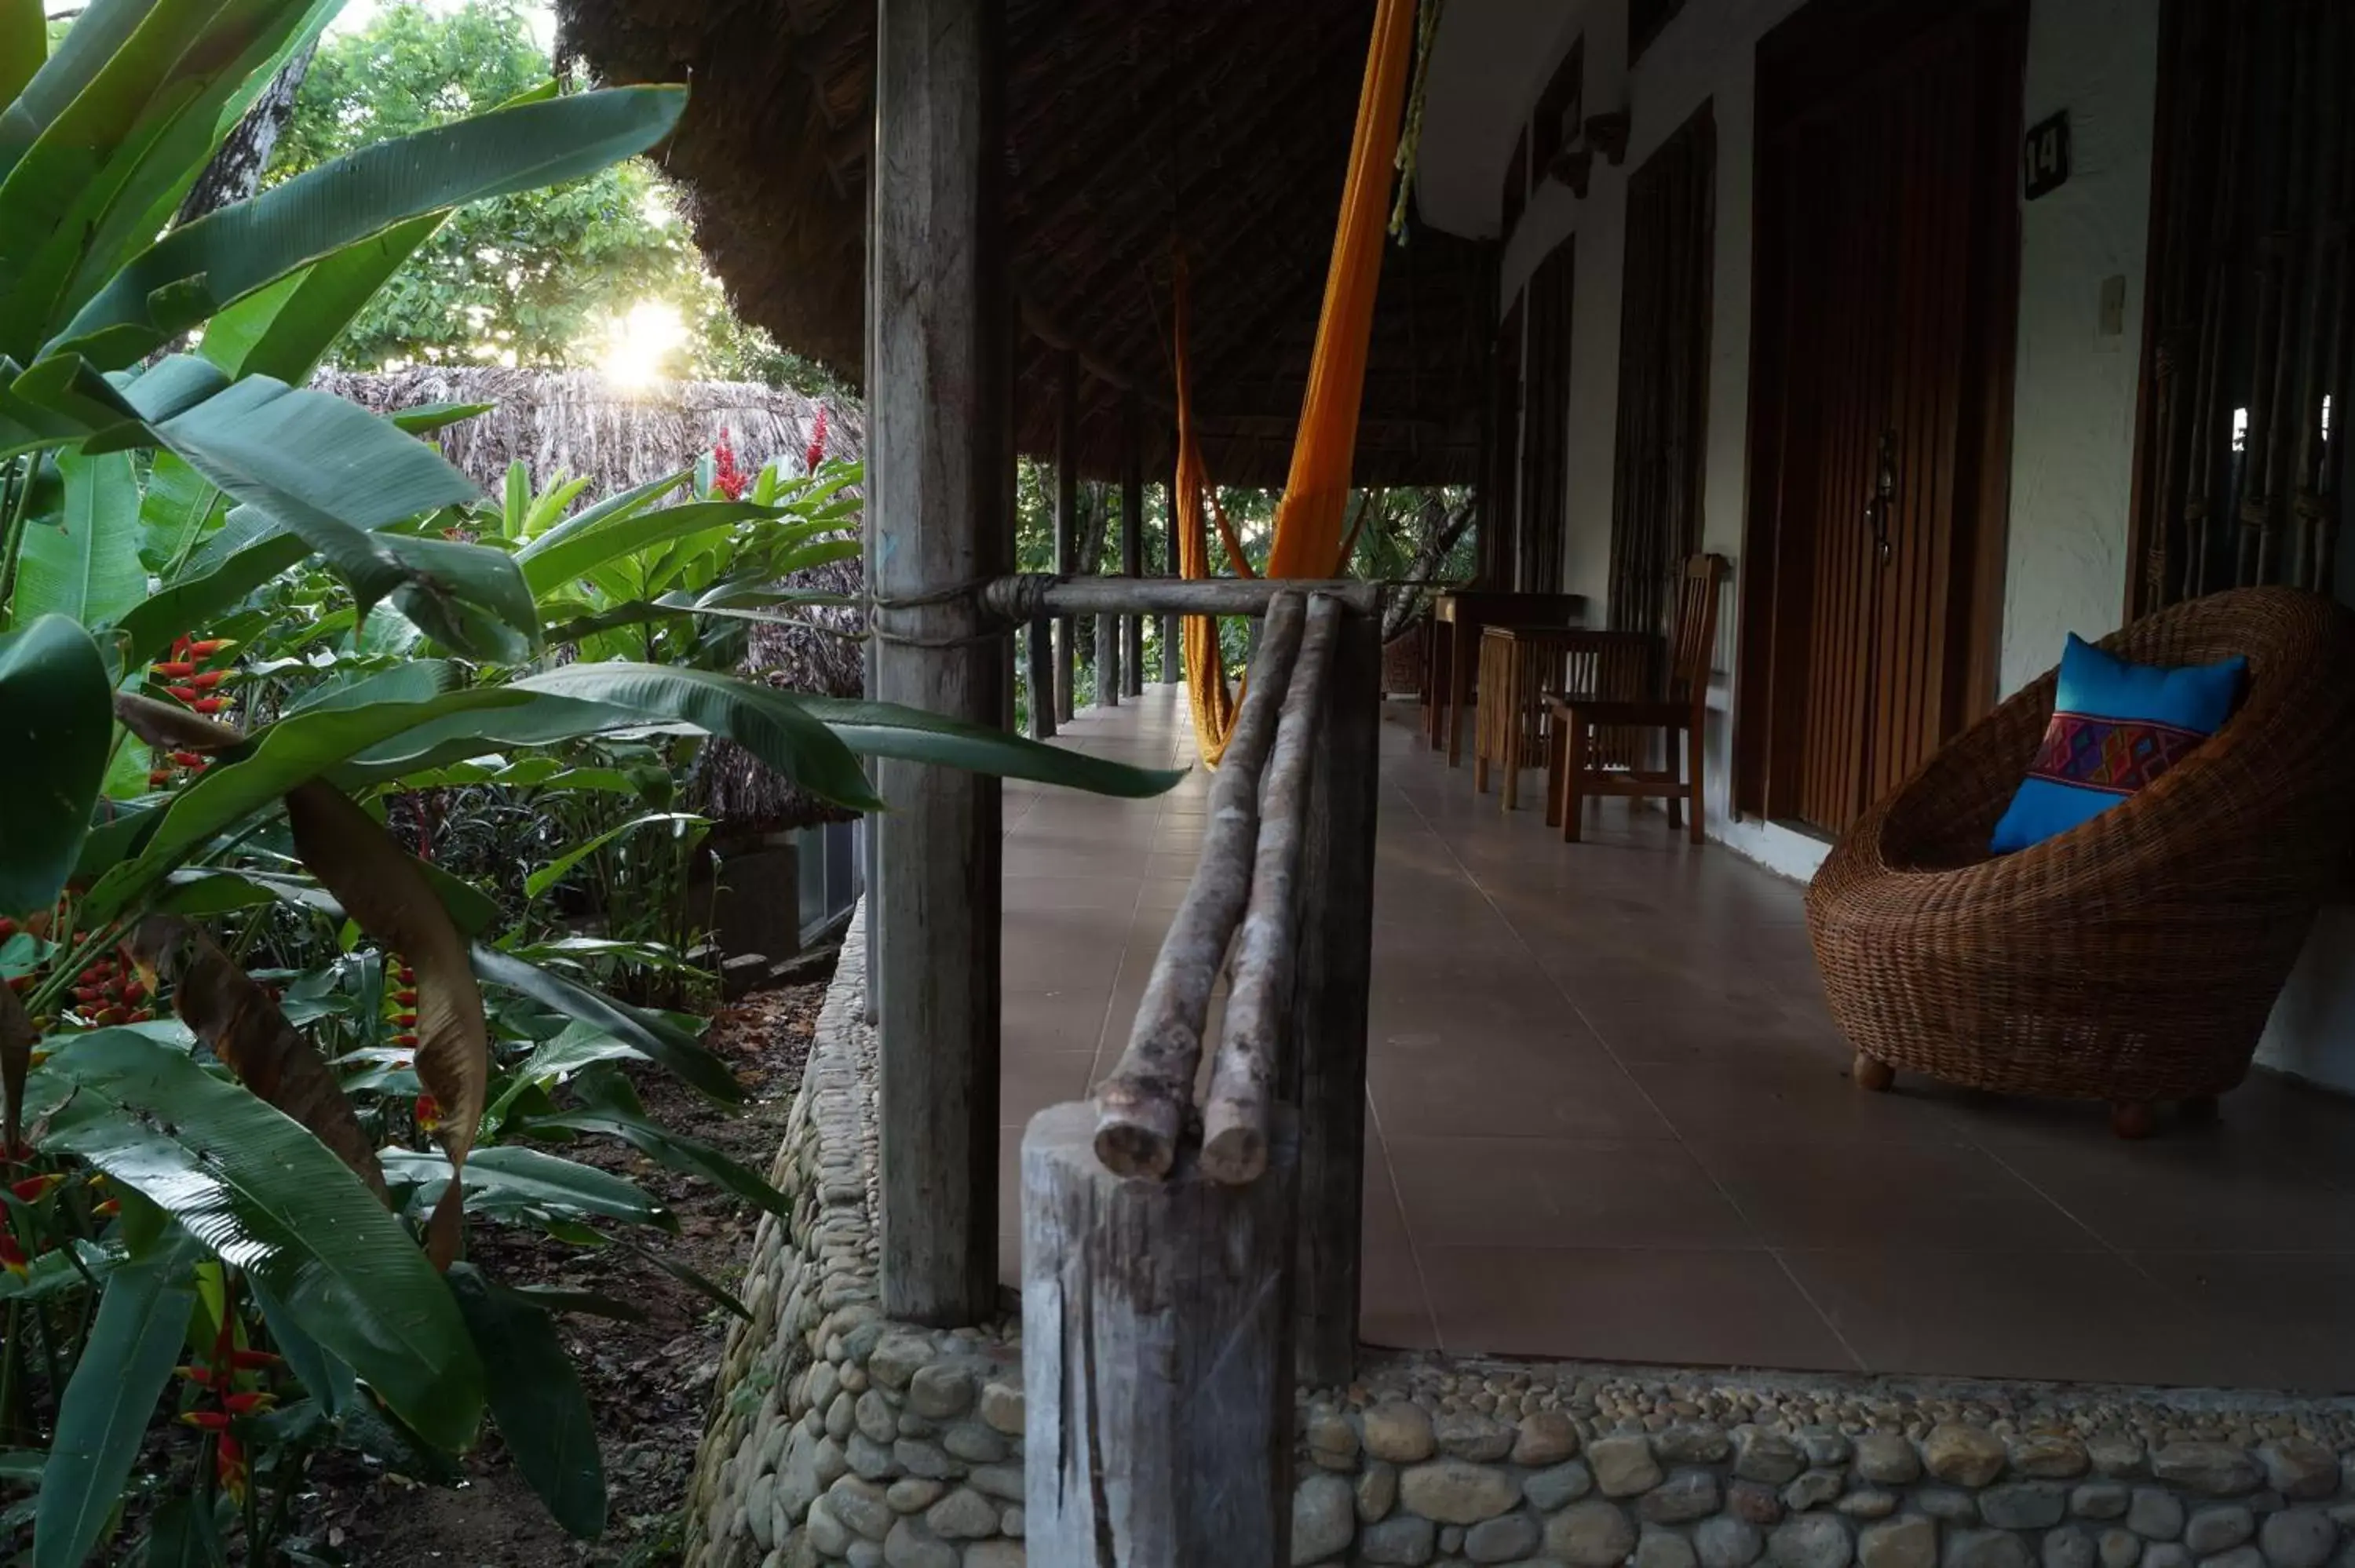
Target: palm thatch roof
1131, 124
576, 422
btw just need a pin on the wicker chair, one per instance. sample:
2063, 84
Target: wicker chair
2135, 957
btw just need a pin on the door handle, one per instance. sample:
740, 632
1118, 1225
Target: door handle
1884, 496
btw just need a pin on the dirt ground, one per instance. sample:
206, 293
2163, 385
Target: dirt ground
648, 1381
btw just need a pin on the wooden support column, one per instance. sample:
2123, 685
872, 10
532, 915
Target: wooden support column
940, 397
1327, 1071
1132, 539
1156, 1367
1066, 525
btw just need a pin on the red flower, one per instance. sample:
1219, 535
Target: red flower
186, 693
208, 704
12, 1256
229, 1467
107, 1210
404, 1020
206, 1420
405, 998
33, 1189
173, 670
204, 650
248, 1403
726, 477
206, 680
158, 778
428, 1113
818, 439
255, 1360
188, 758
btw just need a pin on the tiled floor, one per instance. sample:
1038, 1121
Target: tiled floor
1610, 1119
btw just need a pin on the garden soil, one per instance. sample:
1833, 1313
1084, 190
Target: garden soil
649, 1382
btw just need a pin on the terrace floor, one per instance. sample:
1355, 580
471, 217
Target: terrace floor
1610, 1119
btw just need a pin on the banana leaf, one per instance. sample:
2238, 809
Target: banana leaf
55, 728
536, 1401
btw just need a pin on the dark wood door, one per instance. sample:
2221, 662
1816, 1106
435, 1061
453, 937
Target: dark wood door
1881, 373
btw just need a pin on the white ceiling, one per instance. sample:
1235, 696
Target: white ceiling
1486, 64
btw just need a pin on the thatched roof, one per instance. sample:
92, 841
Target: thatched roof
578, 423
1130, 122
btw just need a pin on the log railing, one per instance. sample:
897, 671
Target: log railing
1184, 1262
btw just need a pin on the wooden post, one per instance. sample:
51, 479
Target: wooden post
1041, 640
1132, 540
1108, 676
938, 436
1067, 525
1328, 1066
1156, 1370
1173, 661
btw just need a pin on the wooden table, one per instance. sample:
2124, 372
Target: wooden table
1520, 664
1457, 617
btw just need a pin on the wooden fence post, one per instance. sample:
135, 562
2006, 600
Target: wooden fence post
1156, 1361
1327, 1079
1173, 659
939, 437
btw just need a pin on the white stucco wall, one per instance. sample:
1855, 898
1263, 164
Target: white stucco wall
2074, 401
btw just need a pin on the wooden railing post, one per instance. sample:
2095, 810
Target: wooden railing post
1173, 658
1327, 1067
1156, 1361
939, 389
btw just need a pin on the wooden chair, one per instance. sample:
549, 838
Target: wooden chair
1576, 763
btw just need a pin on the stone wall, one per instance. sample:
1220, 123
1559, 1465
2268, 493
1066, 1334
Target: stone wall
837, 1437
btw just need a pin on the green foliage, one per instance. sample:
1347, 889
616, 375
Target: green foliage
324, 837
529, 279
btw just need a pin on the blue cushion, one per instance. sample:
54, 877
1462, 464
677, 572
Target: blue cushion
2116, 727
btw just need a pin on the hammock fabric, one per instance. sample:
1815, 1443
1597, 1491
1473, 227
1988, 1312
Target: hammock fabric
1309, 540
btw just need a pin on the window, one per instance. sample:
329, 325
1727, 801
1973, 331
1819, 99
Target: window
1561, 112
1645, 19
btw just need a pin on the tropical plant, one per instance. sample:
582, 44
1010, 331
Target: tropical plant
236, 618
532, 277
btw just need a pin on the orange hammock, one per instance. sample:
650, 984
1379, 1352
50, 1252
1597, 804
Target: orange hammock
1308, 541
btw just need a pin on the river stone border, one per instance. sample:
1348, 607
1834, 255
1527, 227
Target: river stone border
839, 1438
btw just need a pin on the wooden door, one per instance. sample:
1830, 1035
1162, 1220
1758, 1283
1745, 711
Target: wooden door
1882, 372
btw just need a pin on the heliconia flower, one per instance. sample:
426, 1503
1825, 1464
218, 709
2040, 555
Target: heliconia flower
205, 649
12, 1256
229, 1467
404, 998
404, 1020
405, 1039
255, 1361
173, 670
428, 1113
188, 758
206, 1420
203, 1377
186, 693
7, 928
206, 680
208, 704
180, 646
33, 1189
89, 993
248, 1403
107, 1210
157, 778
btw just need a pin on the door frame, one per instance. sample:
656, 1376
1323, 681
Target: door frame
1802, 67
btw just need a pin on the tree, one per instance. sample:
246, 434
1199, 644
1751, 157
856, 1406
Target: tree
533, 279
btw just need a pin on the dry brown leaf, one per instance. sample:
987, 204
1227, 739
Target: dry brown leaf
173, 728
231, 1013
386, 893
